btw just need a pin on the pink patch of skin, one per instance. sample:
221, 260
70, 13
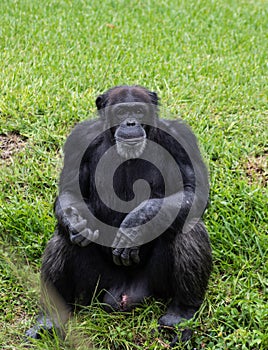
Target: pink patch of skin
124, 301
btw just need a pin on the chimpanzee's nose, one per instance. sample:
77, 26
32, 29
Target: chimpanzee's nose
131, 122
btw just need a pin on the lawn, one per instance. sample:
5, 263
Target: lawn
208, 62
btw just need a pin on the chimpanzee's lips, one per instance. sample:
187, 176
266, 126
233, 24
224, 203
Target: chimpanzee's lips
132, 141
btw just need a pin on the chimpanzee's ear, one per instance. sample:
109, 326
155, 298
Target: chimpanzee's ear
100, 102
154, 97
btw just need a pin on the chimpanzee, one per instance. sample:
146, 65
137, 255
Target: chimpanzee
131, 196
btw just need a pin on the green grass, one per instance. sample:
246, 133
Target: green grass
208, 62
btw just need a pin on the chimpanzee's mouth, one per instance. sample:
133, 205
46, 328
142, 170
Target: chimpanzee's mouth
130, 141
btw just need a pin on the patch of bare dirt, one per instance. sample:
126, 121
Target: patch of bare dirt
10, 144
257, 169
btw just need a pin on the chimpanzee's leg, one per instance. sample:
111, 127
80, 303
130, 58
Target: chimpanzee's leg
69, 274
180, 270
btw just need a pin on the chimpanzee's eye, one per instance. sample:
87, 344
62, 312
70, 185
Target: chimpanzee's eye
120, 113
138, 112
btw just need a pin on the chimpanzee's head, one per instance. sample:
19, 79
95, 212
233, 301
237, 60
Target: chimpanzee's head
129, 111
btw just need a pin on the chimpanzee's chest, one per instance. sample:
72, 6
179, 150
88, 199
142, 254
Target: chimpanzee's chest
137, 180
117, 190
114, 190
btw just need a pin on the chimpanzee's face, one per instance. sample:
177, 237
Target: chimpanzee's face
130, 111
130, 135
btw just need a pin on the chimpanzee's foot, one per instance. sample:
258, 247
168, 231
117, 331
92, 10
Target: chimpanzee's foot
43, 325
175, 315
169, 320
176, 336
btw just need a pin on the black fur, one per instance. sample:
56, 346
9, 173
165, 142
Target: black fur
174, 266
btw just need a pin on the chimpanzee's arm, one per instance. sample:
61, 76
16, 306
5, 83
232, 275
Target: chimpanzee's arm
70, 207
179, 211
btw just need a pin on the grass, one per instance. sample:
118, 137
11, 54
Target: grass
208, 61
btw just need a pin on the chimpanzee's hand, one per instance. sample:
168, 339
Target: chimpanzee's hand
125, 256
80, 234
133, 233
